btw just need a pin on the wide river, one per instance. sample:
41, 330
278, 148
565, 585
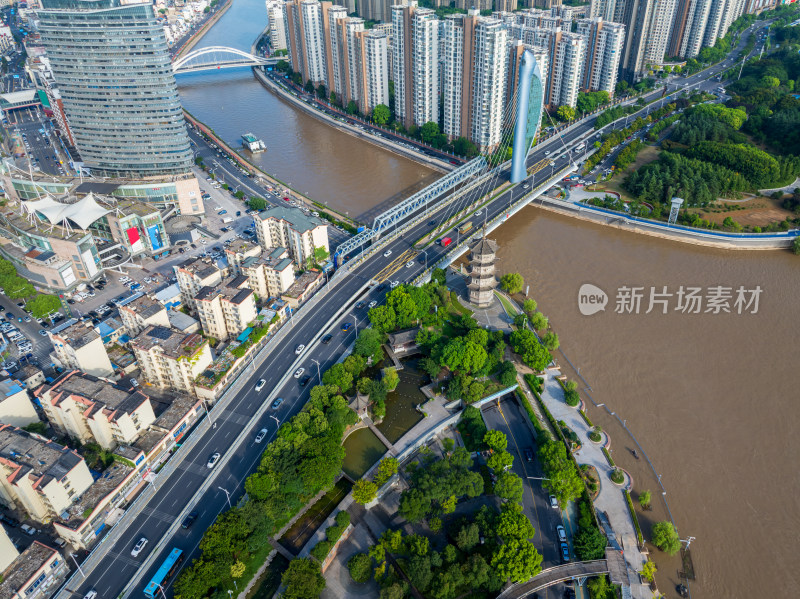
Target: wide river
709, 396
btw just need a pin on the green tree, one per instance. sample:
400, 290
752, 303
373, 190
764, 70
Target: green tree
255, 203
309, 87
360, 567
237, 569
339, 376
364, 491
665, 537
368, 344
383, 319
589, 543
303, 579
500, 460
320, 254
539, 321
508, 374
390, 378
525, 343
513, 523
394, 591
464, 147
508, 487
512, 282
563, 479
43, 305
414, 505
378, 553
404, 307
516, 560
565, 113
468, 536
600, 589
796, 246
40, 428
439, 276
529, 306
386, 469
495, 440
649, 571
644, 499
352, 107
381, 114
428, 132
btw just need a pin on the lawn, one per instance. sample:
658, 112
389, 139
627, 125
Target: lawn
509, 307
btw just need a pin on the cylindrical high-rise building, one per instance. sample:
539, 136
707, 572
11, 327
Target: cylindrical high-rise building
110, 62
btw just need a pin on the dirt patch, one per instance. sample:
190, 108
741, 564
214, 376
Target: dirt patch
757, 212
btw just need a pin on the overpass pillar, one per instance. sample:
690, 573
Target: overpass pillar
530, 96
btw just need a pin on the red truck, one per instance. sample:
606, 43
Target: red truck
446, 241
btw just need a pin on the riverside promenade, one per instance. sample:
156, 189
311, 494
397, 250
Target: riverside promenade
611, 499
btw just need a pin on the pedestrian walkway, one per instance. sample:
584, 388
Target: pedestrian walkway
368, 421
610, 500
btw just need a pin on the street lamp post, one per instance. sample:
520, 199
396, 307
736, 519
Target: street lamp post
72, 555
318, 374
227, 495
278, 422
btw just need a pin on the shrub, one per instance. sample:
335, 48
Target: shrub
572, 398
321, 550
595, 436
617, 476
360, 566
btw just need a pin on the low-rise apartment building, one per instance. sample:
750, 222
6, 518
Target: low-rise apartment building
35, 573
226, 309
170, 359
195, 274
269, 274
141, 313
91, 409
39, 476
303, 288
291, 228
238, 251
15, 404
78, 346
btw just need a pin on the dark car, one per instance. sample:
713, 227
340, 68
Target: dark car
277, 403
360, 305
71, 302
304, 381
564, 552
529, 454
238, 213
2, 308
189, 520
431, 223
327, 339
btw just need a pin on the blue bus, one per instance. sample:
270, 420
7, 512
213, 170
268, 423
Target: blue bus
165, 572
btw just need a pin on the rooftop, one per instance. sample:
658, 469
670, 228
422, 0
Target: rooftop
241, 246
9, 387
200, 267
173, 343
168, 293
232, 289
35, 456
101, 488
180, 321
23, 568
144, 306
302, 283
174, 411
120, 356
96, 393
297, 219
75, 333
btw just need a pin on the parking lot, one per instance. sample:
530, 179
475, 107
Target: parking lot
43, 145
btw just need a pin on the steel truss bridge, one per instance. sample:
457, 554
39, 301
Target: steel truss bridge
213, 58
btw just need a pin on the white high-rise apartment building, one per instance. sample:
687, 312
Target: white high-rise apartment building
490, 69
425, 66
604, 43
566, 53
475, 69
337, 16
353, 26
277, 27
659, 30
376, 70
688, 33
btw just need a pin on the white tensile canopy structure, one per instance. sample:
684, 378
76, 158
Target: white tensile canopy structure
83, 212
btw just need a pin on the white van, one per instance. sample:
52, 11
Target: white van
227, 219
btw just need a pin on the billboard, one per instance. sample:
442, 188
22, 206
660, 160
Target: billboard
89, 263
155, 237
134, 240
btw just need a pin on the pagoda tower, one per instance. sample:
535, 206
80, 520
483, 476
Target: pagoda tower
482, 281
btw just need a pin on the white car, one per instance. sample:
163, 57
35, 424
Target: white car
410, 264
260, 384
394, 284
299, 372
299, 349
554, 502
261, 434
212, 461
372, 304
387, 253
137, 549
562, 534
90, 595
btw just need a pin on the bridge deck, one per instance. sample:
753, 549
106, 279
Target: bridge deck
553, 575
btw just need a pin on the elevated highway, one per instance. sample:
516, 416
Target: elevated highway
187, 485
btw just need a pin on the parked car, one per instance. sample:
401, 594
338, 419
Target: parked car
372, 304
562, 533
554, 502
564, 552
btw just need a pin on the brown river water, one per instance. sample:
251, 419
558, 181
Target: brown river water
708, 396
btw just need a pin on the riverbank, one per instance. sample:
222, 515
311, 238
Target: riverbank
198, 35
385, 144
720, 240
